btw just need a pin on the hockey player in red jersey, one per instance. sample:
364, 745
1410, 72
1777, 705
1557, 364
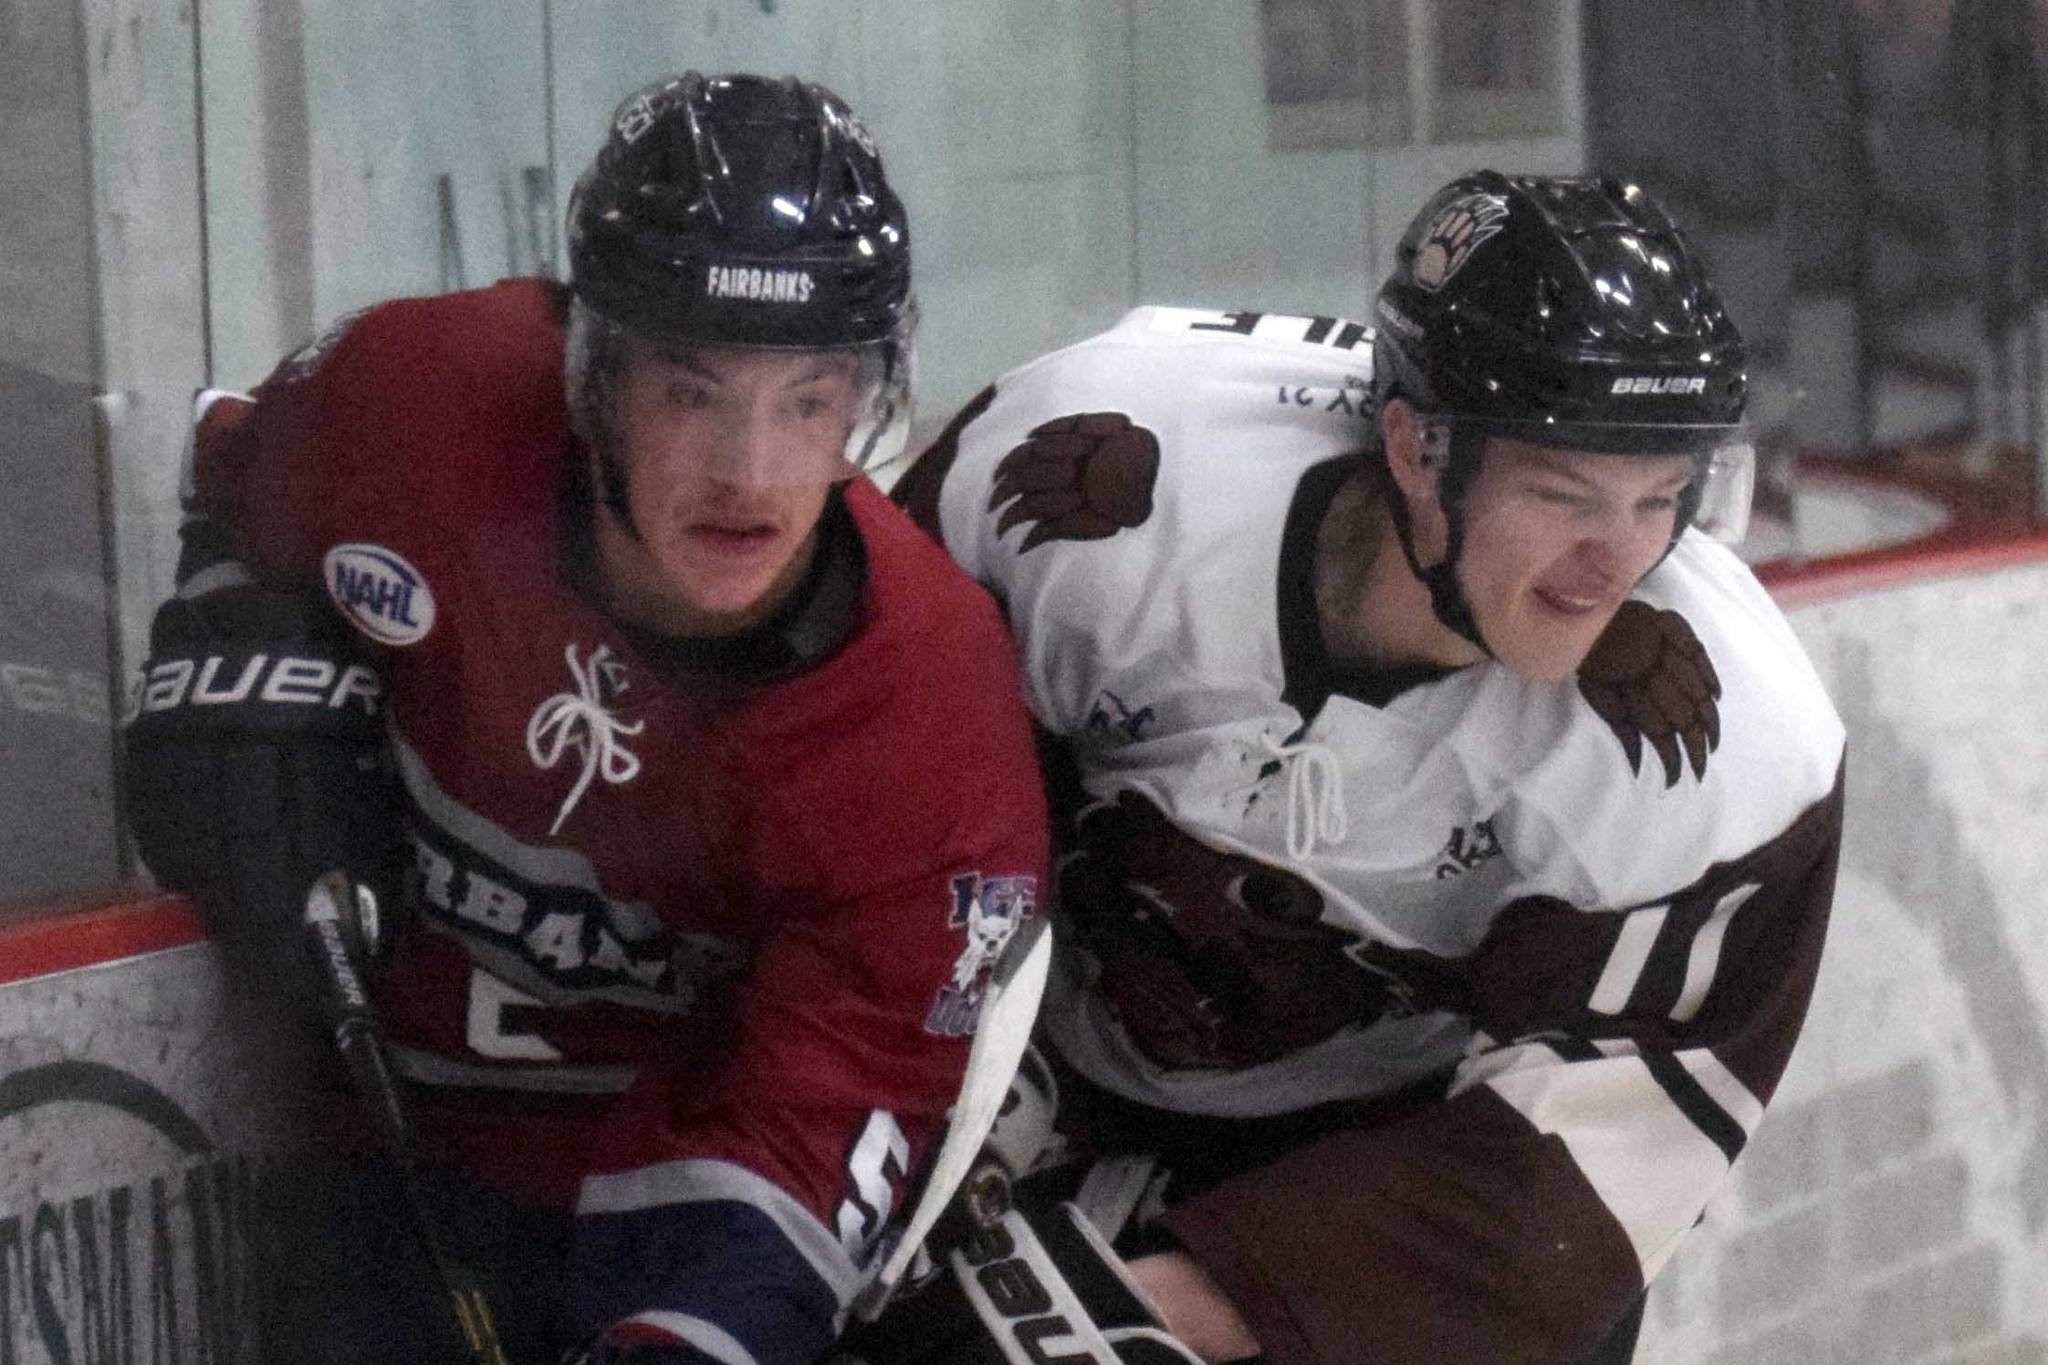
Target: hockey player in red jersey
712, 796
1453, 820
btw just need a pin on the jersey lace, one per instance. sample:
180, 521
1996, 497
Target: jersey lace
1315, 795
580, 720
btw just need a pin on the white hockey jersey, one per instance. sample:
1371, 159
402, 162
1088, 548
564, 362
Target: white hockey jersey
1602, 900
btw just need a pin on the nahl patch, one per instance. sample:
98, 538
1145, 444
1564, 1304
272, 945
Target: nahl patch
382, 595
991, 909
757, 285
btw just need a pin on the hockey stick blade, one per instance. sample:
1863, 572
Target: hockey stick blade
1008, 1011
356, 1035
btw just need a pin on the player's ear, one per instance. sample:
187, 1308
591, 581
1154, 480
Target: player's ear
1407, 453
1414, 470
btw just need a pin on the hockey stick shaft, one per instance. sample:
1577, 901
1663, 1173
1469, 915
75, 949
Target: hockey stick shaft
361, 1045
1008, 1011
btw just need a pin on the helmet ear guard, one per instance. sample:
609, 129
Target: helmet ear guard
1436, 447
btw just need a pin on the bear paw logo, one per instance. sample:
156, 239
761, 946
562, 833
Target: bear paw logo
1649, 678
1082, 477
1454, 234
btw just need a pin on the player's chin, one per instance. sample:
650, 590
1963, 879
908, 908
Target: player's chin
1546, 648
725, 587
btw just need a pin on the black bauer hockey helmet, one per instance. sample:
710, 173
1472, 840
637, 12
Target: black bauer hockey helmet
1569, 313
743, 211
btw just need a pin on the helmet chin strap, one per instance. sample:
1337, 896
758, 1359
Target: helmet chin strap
611, 484
594, 357
1454, 464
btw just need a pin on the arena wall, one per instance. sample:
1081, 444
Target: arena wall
148, 1114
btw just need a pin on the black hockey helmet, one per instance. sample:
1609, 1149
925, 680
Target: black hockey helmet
739, 210
1569, 313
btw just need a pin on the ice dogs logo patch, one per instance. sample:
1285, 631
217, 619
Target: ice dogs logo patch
990, 909
1454, 234
384, 597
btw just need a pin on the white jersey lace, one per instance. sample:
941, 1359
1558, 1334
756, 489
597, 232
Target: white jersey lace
1315, 795
579, 719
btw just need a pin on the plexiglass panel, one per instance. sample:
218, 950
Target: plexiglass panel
56, 757
151, 306
352, 158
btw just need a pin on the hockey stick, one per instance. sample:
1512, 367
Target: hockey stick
1008, 1010
329, 905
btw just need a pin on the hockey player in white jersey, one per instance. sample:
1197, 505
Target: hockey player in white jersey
1453, 819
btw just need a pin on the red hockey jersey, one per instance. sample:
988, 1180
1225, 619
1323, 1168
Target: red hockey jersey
682, 952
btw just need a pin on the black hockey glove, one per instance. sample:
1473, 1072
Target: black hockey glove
255, 763
1020, 1293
